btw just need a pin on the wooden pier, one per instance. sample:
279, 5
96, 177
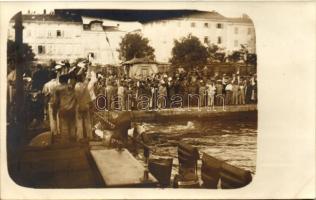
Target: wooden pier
120, 169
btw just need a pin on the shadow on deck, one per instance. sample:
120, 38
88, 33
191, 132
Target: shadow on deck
62, 166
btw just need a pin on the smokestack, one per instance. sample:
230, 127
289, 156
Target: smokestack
44, 11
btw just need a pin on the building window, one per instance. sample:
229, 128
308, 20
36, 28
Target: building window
206, 25
249, 31
236, 30
41, 49
219, 25
58, 33
219, 40
193, 24
206, 40
236, 43
86, 27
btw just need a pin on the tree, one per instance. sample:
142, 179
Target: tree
252, 59
189, 52
27, 53
214, 53
133, 45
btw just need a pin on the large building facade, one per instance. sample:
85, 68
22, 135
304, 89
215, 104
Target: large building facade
211, 28
55, 37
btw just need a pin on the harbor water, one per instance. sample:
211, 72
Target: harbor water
229, 137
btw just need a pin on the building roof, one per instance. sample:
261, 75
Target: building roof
147, 16
50, 17
206, 15
142, 16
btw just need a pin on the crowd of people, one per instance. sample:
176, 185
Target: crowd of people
69, 93
175, 90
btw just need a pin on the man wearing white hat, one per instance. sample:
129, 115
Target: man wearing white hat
58, 69
82, 94
61, 66
48, 91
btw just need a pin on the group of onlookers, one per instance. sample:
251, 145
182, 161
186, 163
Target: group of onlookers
68, 94
176, 90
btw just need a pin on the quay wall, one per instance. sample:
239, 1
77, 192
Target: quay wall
192, 113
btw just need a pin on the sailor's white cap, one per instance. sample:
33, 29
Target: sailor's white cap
58, 67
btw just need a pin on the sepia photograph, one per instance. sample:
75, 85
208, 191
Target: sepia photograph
155, 100
96, 98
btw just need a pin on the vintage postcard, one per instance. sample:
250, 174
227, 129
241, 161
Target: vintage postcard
149, 100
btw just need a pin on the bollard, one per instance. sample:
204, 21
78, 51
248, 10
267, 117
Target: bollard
210, 171
161, 169
187, 177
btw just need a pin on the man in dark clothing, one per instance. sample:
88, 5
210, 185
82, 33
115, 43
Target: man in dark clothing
40, 77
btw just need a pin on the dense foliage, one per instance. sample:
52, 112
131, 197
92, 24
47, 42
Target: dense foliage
133, 45
12, 49
189, 52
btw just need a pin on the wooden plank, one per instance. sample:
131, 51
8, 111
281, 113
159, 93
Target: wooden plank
121, 169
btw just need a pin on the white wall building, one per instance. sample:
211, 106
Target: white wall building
58, 38
227, 33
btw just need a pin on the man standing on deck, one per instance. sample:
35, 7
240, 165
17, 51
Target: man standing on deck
48, 91
65, 106
83, 97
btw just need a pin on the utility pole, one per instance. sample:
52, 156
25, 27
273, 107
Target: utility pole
19, 96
